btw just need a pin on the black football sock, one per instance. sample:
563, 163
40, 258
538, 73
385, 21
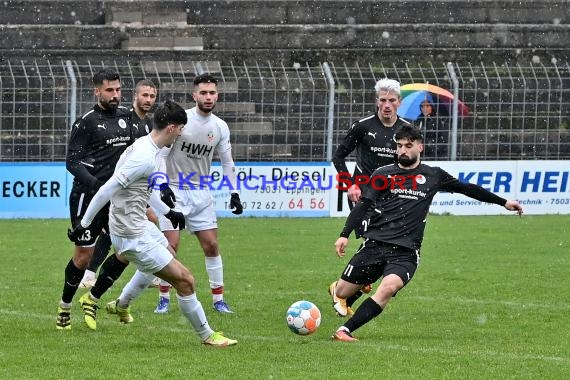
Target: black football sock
367, 311
102, 248
73, 276
111, 270
352, 299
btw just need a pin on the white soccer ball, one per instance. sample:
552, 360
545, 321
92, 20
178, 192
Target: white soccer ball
303, 317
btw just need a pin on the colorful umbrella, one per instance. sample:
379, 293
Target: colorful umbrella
415, 93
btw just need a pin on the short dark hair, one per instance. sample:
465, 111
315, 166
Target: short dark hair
105, 74
145, 82
205, 78
167, 113
408, 132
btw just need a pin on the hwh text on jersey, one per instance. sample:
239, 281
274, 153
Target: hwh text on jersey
196, 150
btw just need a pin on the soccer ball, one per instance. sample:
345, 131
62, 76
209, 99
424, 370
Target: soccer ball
303, 317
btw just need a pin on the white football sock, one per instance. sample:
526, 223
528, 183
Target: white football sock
139, 282
215, 270
192, 309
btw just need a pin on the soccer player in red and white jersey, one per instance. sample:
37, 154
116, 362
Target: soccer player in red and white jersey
191, 157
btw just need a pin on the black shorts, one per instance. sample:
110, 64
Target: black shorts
79, 200
376, 259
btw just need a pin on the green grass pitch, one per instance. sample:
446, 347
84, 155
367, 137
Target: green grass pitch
490, 300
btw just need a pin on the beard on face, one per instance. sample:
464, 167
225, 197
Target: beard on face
144, 106
204, 109
407, 161
110, 105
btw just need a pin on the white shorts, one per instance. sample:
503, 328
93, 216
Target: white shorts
147, 251
197, 207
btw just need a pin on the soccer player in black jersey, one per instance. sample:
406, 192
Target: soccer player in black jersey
143, 101
96, 142
400, 196
373, 139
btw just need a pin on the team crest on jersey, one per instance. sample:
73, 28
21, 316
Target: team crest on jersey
420, 179
122, 123
210, 136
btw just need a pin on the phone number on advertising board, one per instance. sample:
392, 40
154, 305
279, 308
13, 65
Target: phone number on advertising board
292, 204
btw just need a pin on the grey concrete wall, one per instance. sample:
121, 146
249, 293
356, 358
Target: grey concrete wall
89, 12
80, 37
294, 12
377, 12
378, 36
306, 31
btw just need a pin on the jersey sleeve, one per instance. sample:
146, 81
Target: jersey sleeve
229, 169
224, 149
76, 159
224, 143
453, 185
348, 144
161, 158
101, 198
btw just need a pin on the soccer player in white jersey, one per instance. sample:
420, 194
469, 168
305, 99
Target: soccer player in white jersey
191, 157
138, 240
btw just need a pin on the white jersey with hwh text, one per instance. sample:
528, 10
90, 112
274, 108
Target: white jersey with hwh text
127, 215
190, 157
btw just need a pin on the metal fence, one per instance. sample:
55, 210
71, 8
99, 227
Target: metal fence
279, 113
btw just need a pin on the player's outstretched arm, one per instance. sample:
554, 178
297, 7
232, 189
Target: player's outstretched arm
513, 205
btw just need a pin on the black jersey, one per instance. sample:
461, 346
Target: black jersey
401, 199
374, 144
141, 127
96, 142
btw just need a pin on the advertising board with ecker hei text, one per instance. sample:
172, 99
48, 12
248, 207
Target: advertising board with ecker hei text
299, 189
542, 187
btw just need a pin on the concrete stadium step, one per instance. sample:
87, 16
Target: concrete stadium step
182, 67
138, 13
224, 88
95, 37
74, 12
289, 56
252, 128
283, 12
163, 43
231, 108
280, 12
261, 152
381, 36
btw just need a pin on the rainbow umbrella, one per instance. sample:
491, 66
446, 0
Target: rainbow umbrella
415, 93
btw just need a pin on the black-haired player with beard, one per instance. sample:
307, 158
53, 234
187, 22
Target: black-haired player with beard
96, 142
400, 197
372, 139
143, 101
141, 121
